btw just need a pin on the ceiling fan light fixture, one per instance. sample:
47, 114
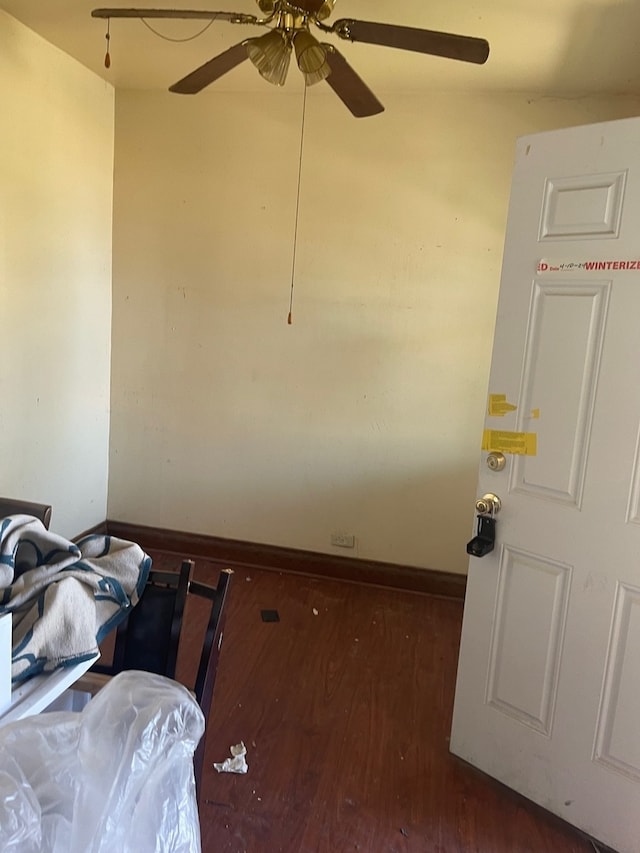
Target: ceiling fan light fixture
311, 57
271, 54
325, 10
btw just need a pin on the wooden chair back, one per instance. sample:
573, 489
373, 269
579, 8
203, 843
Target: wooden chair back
210, 655
9, 506
149, 638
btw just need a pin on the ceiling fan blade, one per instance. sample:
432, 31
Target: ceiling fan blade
349, 87
233, 17
211, 70
466, 48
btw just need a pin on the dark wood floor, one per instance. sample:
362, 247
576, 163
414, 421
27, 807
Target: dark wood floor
345, 708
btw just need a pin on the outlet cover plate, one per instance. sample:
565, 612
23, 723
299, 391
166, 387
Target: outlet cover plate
343, 540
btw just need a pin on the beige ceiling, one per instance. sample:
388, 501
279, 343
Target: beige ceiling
555, 47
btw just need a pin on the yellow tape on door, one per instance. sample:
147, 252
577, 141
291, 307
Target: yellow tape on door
499, 405
519, 443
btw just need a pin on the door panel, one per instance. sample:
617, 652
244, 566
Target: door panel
587, 206
567, 401
534, 585
618, 744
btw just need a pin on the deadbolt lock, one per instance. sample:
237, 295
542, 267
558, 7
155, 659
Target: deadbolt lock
496, 460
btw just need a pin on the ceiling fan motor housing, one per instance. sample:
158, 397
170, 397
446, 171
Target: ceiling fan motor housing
268, 7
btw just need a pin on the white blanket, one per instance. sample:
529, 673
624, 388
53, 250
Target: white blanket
64, 596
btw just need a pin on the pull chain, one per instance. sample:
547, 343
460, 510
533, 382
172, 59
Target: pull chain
295, 231
107, 56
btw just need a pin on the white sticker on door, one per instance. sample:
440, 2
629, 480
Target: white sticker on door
591, 265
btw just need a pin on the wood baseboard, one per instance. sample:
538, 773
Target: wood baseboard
251, 555
97, 528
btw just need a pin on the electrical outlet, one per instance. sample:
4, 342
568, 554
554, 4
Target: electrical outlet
343, 540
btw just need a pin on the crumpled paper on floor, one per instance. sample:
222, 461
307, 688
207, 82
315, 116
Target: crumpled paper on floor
237, 763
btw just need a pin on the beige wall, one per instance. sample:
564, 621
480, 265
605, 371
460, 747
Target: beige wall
56, 172
365, 415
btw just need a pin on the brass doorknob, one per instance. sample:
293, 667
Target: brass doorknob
489, 504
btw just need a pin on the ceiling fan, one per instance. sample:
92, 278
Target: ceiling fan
288, 25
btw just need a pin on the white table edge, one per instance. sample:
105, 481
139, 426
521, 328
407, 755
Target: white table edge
38, 692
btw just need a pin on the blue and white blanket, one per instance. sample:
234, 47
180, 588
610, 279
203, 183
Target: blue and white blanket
64, 596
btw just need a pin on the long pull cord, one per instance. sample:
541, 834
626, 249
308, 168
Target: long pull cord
295, 230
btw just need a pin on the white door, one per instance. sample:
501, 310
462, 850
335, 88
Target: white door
548, 690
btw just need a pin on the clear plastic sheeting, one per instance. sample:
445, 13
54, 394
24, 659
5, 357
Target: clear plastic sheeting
116, 776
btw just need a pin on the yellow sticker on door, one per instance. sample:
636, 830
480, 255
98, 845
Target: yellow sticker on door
498, 406
519, 443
